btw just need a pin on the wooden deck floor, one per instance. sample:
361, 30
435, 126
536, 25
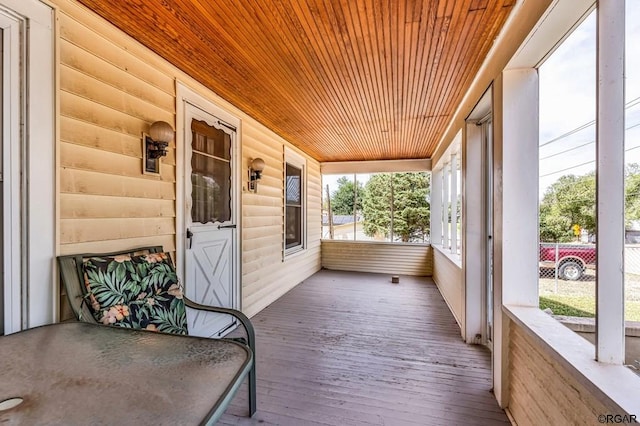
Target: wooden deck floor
347, 348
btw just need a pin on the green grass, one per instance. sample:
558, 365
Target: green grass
571, 306
583, 306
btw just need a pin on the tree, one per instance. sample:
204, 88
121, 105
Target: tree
569, 201
343, 198
632, 194
409, 199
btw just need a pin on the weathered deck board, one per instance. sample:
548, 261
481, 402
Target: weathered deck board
346, 348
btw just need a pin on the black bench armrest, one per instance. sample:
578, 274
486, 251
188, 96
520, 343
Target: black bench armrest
251, 342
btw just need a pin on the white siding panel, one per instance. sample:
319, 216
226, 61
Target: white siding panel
265, 274
448, 277
544, 392
108, 96
385, 258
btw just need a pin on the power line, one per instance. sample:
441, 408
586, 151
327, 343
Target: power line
568, 168
628, 105
568, 150
580, 146
585, 144
569, 133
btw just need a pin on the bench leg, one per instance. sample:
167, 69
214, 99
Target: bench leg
252, 390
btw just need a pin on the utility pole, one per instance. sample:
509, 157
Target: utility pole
329, 213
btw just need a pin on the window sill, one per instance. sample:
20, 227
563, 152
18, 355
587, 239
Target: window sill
614, 383
293, 253
389, 243
453, 257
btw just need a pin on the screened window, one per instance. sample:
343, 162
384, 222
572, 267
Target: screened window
389, 207
447, 200
294, 207
567, 175
294, 230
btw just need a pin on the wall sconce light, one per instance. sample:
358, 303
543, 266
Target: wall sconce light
154, 146
255, 173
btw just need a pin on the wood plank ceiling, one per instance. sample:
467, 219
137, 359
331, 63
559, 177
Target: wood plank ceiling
341, 79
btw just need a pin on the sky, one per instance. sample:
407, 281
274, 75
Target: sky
568, 101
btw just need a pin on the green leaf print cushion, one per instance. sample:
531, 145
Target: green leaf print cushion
140, 292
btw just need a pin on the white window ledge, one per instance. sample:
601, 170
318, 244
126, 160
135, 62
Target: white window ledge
615, 383
453, 257
382, 243
293, 253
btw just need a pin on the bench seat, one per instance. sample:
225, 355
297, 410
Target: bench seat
76, 283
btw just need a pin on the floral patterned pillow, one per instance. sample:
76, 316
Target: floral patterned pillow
140, 292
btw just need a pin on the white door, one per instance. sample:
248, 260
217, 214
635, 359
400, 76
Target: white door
487, 128
210, 219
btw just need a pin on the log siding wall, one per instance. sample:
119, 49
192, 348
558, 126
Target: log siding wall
384, 258
265, 271
105, 199
110, 90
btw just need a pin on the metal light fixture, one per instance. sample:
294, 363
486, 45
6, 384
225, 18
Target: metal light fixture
155, 145
256, 166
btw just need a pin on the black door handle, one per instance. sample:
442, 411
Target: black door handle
189, 237
226, 226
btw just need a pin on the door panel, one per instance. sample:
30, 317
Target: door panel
210, 220
210, 263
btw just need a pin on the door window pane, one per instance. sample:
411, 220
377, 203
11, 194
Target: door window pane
210, 174
211, 141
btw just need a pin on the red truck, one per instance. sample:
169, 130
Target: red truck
572, 260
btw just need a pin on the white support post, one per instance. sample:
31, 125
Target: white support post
454, 204
520, 250
515, 209
445, 205
610, 182
436, 207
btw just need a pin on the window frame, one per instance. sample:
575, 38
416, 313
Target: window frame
295, 160
446, 211
392, 174
605, 376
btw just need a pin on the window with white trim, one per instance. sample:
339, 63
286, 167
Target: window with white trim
294, 202
384, 207
446, 201
609, 149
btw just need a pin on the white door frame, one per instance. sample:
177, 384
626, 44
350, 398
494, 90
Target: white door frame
476, 220
186, 95
29, 164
